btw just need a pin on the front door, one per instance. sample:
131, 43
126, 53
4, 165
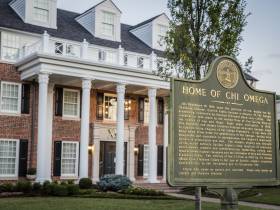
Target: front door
107, 159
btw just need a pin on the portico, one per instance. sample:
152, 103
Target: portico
50, 71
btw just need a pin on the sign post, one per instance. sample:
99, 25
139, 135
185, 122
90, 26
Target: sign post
222, 133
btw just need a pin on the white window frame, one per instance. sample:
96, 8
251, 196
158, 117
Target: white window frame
146, 110
19, 98
108, 24
146, 161
76, 161
78, 107
15, 175
161, 35
6, 45
104, 106
38, 8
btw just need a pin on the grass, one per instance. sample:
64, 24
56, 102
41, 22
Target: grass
268, 196
55, 203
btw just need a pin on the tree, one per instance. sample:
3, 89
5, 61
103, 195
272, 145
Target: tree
199, 31
248, 65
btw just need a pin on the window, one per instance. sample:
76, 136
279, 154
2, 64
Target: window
146, 110
10, 97
59, 48
108, 24
10, 46
71, 103
162, 30
146, 161
110, 107
41, 10
125, 59
9, 158
101, 55
140, 62
69, 159
127, 108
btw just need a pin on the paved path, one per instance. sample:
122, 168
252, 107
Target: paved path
215, 200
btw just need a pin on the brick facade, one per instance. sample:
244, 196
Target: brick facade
21, 127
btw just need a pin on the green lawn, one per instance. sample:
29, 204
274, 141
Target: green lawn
54, 203
268, 195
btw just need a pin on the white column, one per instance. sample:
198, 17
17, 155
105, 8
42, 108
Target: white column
96, 153
131, 154
49, 129
46, 41
84, 52
42, 174
152, 136
153, 61
121, 55
120, 129
165, 136
86, 84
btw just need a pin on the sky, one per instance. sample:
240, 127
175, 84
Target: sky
261, 35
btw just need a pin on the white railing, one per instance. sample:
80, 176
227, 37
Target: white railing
83, 50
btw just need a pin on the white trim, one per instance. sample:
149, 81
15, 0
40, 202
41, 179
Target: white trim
78, 105
12, 176
18, 112
68, 176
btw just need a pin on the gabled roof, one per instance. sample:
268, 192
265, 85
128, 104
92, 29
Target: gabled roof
148, 21
100, 4
250, 77
68, 28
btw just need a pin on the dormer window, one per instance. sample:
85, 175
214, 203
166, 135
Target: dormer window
41, 10
108, 24
162, 30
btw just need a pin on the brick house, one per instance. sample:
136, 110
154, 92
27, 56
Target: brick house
79, 97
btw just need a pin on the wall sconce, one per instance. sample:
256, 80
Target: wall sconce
136, 150
91, 149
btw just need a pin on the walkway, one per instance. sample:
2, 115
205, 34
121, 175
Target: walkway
215, 200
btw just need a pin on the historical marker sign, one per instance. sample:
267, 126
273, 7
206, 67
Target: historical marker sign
222, 131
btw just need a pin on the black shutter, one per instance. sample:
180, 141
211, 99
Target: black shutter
23, 153
57, 158
160, 111
141, 105
58, 101
25, 98
99, 106
160, 160
140, 165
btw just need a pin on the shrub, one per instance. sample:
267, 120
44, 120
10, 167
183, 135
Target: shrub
36, 188
47, 188
113, 183
72, 189
8, 187
85, 183
142, 191
24, 186
31, 171
70, 182
59, 190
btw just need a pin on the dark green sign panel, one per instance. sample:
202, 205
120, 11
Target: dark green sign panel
222, 131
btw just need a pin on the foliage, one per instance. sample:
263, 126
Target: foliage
31, 171
23, 186
142, 191
85, 183
248, 65
37, 187
199, 31
59, 190
7, 187
277, 97
113, 183
72, 189
47, 188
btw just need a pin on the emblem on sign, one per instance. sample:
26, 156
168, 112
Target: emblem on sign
227, 73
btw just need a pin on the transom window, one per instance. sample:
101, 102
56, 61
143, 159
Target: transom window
108, 24
110, 107
71, 103
69, 159
8, 158
10, 97
41, 10
10, 46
